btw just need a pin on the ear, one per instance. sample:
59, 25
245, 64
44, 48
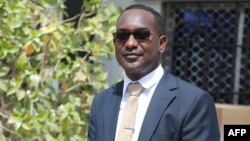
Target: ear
163, 43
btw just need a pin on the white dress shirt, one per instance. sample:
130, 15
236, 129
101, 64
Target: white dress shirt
149, 83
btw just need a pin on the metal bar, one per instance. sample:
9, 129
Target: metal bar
238, 55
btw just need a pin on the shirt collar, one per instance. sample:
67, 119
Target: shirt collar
148, 80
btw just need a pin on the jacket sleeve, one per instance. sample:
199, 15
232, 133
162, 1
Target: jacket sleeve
91, 124
201, 121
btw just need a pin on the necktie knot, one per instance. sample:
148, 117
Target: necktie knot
134, 89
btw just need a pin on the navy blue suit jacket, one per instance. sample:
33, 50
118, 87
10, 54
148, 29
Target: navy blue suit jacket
178, 111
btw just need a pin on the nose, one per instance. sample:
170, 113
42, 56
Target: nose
131, 42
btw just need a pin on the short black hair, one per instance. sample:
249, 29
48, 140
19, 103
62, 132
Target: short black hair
160, 27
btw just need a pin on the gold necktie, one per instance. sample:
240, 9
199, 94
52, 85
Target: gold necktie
128, 119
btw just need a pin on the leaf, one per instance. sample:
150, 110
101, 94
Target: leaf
25, 126
4, 71
45, 39
79, 77
18, 124
34, 79
49, 137
102, 76
49, 29
96, 52
57, 36
29, 48
15, 84
21, 61
20, 94
11, 90
2, 137
42, 116
11, 119
64, 86
3, 85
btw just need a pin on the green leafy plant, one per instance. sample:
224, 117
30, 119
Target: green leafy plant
50, 68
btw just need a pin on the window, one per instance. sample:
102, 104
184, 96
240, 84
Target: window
209, 46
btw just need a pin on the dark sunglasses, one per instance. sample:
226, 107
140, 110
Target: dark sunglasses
139, 35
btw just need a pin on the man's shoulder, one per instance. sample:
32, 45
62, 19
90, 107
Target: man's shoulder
108, 94
187, 92
184, 85
111, 89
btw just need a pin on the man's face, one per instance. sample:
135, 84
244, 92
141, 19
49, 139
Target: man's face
138, 46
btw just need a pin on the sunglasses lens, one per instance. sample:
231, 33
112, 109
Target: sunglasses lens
122, 35
142, 34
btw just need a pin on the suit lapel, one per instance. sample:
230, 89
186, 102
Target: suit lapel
112, 110
161, 99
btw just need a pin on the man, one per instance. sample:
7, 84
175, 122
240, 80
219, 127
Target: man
168, 109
